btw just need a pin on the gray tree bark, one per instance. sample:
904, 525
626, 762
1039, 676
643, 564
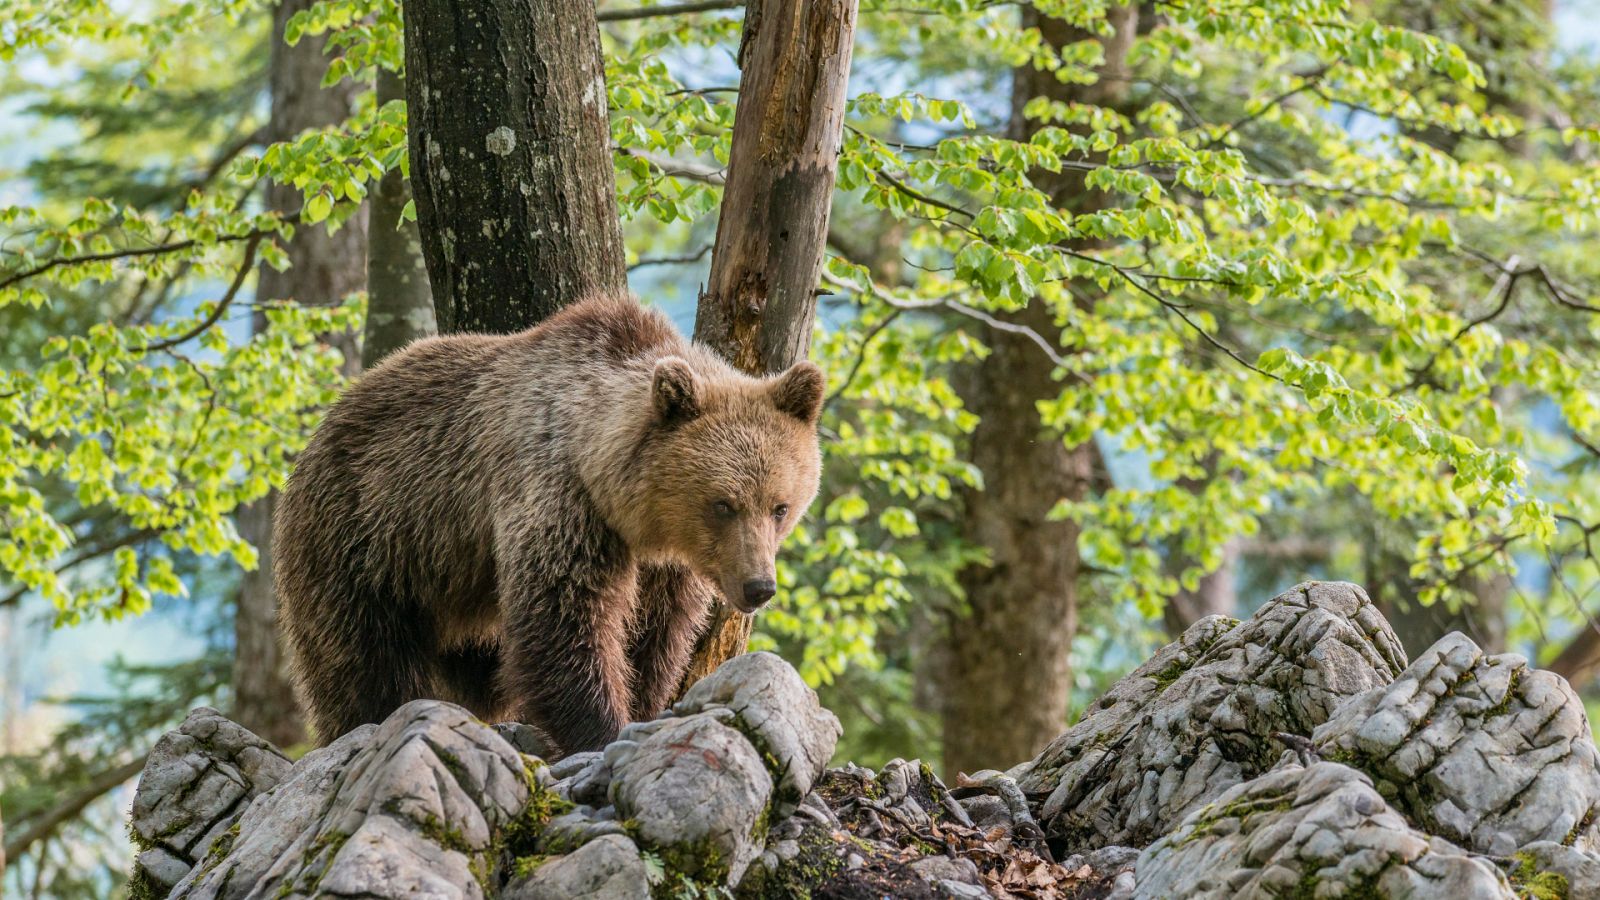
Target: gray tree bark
510, 159
1008, 686
760, 302
399, 297
324, 269
1484, 619
1217, 594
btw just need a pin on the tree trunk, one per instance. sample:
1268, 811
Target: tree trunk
1217, 594
399, 300
1579, 661
1008, 687
510, 159
761, 300
324, 269
1483, 620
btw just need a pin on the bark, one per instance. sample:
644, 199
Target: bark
1008, 686
760, 301
324, 269
1483, 620
399, 298
1579, 661
1217, 594
510, 159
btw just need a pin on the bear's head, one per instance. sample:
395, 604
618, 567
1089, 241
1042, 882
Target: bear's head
730, 465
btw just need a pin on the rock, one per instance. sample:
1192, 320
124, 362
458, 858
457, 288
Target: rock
275, 819
572, 765
1294, 755
159, 866
960, 890
1315, 832
1106, 872
777, 713
409, 808
987, 811
903, 798
696, 793
607, 868
1479, 749
1123, 887
197, 781
1198, 718
591, 781
1560, 871
433, 803
944, 868
829, 863
571, 830
1112, 859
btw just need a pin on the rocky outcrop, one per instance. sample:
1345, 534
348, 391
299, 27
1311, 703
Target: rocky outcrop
433, 803
196, 783
417, 806
606, 868
1317, 831
1293, 755
1200, 716
1477, 748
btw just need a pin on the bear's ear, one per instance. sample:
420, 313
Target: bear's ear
675, 390
798, 392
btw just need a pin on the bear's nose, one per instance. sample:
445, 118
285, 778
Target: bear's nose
759, 590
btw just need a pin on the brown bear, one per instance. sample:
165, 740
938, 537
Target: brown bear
532, 525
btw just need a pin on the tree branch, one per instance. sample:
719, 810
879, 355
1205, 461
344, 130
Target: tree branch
861, 354
85, 554
645, 262
666, 9
956, 306
677, 168
69, 808
1505, 285
130, 253
1309, 83
215, 315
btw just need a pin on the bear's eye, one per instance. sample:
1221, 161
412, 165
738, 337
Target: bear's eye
779, 511
723, 509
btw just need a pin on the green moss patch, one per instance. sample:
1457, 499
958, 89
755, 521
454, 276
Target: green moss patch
1532, 884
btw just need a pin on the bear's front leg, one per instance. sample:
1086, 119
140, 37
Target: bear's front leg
566, 597
672, 609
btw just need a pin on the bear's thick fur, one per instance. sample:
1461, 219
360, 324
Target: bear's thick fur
532, 525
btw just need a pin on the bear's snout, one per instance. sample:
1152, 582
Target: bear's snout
757, 591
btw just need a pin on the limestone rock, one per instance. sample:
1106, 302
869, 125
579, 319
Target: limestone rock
197, 781
577, 827
585, 777
695, 792
607, 868
1556, 868
1322, 831
1293, 755
777, 712
1198, 718
408, 808
1479, 749
937, 869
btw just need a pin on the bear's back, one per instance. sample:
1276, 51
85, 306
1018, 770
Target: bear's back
422, 450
